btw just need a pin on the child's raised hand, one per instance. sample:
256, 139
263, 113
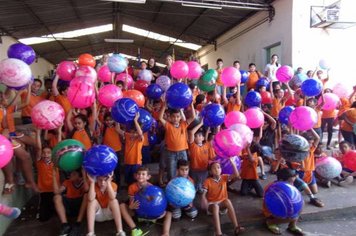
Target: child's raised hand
91, 178
109, 179
134, 205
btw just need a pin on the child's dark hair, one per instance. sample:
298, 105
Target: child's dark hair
119, 82
199, 131
182, 162
344, 142
251, 64
311, 100
236, 62
142, 169
192, 86
173, 111
39, 81
256, 147
219, 60
106, 115
79, 171
199, 99
211, 165
62, 88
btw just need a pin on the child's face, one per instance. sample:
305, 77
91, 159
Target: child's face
344, 148
262, 89
280, 93
252, 68
79, 124
46, 154
74, 176
35, 87
157, 106
311, 104
198, 138
183, 171
109, 121
102, 182
175, 118
215, 169
142, 177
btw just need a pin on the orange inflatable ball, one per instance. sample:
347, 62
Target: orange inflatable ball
86, 60
135, 95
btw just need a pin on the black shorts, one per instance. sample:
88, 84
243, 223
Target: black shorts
72, 205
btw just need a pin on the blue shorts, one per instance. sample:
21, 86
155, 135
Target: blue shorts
313, 180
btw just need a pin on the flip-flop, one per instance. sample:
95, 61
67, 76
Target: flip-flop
273, 228
9, 188
239, 229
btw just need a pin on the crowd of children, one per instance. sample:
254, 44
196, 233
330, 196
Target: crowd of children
184, 149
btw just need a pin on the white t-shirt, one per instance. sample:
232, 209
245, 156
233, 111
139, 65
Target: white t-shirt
271, 71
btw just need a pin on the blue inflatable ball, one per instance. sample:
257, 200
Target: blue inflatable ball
283, 200
145, 120
244, 76
180, 192
117, 63
124, 110
100, 160
22, 52
284, 113
179, 96
153, 202
312, 87
253, 99
213, 115
154, 91
263, 82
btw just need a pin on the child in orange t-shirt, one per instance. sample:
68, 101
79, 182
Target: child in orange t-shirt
111, 138
249, 175
46, 176
127, 209
60, 95
71, 199
176, 137
234, 102
80, 129
215, 198
200, 155
102, 203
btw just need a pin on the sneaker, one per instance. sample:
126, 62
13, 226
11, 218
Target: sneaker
346, 181
76, 230
316, 202
223, 211
176, 214
65, 230
263, 177
136, 232
121, 233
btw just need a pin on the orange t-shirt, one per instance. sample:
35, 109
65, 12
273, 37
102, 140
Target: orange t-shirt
351, 116
309, 162
9, 121
103, 197
252, 80
249, 168
112, 139
134, 188
216, 189
345, 105
52, 140
145, 139
73, 190
199, 156
318, 124
64, 102
34, 99
45, 176
83, 137
176, 137
47, 96
219, 81
233, 107
133, 149
277, 105
328, 114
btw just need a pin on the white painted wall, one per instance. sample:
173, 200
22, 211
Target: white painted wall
250, 46
39, 69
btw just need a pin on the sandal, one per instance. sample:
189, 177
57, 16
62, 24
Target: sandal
273, 228
295, 230
9, 188
239, 229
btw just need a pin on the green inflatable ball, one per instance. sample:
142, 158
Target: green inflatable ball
207, 81
68, 155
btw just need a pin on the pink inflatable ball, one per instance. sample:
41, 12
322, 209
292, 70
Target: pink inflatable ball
245, 132
235, 117
195, 70
145, 75
284, 74
331, 101
47, 115
87, 71
66, 70
342, 91
230, 76
126, 78
109, 94
328, 167
303, 118
227, 143
255, 117
350, 160
179, 69
324, 64
14, 72
104, 74
164, 82
81, 92
6, 151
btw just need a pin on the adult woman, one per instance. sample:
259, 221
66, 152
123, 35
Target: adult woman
271, 68
152, 67
166, 71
